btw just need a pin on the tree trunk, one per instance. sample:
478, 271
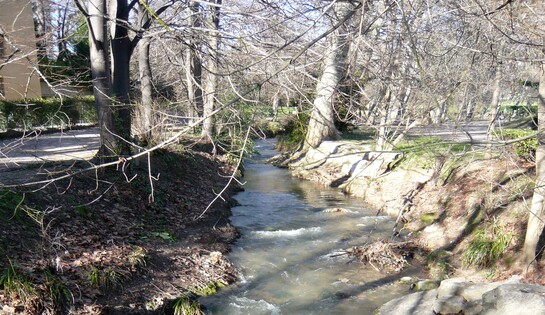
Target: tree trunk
212, 64
536, 220
40, 27
321, 125
121, 55
144, 71
494, 103
100, 72
193, 66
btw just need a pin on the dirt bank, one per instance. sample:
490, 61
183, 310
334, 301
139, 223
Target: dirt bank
468, 211
124, 241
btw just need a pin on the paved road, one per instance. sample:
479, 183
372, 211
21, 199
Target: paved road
33, 151
455, 132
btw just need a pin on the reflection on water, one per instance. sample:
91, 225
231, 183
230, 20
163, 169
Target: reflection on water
286, 253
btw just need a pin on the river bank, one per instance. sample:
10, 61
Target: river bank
97, 244
448, 204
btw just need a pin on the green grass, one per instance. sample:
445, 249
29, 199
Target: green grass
184, 306
165, 236
138, 258
426, 152
524, 149
359, 135
107, 278
10, 202
209, 289
83, 211
15, 284
486, 247
57, 292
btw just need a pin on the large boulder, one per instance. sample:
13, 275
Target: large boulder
514, 299
419, 303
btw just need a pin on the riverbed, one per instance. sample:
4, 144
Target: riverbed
290, 250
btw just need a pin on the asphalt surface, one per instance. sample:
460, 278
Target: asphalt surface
22, 158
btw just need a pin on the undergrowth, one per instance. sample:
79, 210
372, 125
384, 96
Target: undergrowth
107, 278
486, 247
184, 306
16, 285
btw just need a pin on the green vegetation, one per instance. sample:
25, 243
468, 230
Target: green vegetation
57, 292
165, 236
295, 130
16, 285
46, 112
525, 149
209, 289
486, 247
138, 258
107, 278
10, 201
429, 218
184, 306
438, 263
425, 152
83, 211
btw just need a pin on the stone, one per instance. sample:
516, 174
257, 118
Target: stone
515, 299
419, 303
473, 307
435, 236
476, 291
449, 305
426, 285
451, 287
407, 280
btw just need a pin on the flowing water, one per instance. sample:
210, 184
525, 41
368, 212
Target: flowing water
288, 253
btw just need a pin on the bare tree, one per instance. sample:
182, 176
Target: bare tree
212, 61
96, 15
321, 125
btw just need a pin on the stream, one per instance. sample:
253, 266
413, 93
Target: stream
288, 252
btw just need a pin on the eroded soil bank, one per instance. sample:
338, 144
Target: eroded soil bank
121, 241
468, 211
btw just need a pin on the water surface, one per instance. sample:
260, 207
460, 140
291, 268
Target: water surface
287, 253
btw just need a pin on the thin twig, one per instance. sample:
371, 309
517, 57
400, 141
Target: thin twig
232, 177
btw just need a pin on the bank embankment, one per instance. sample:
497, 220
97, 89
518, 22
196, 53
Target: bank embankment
468, 211
131, 240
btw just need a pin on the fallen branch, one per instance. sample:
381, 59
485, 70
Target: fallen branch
383, 254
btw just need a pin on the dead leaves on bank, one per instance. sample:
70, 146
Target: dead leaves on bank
109, 246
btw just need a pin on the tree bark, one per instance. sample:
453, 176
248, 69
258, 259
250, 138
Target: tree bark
100, 73
536, 219
321, 125
145, 76
212, 64
494, 103
122, 48
193, 65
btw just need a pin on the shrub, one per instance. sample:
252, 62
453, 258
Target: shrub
46, 112
295, 130
525, 149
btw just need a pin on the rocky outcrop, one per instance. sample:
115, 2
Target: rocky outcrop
457, 296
